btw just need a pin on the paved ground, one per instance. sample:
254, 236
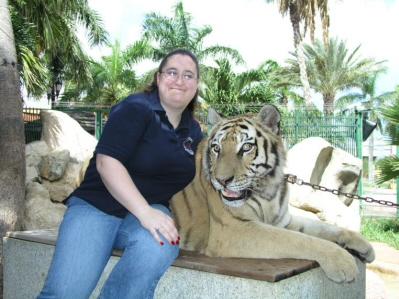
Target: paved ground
386, 264
375, 209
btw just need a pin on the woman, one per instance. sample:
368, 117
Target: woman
144, 157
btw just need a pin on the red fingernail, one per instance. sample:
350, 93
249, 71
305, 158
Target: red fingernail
173, 242
178, 238
177, 242
161, 243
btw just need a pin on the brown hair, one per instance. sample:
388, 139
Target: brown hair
154, 85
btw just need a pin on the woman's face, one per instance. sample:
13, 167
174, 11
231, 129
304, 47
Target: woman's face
177, 82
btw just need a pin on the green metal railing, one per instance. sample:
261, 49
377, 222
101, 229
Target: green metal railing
342, 132
33, 125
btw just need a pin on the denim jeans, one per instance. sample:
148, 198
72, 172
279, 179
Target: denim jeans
84, 245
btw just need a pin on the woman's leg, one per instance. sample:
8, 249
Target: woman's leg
142, 264
84, 245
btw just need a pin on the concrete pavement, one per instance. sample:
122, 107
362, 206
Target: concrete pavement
386, 264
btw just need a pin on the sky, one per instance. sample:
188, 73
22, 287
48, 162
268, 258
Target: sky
259, 32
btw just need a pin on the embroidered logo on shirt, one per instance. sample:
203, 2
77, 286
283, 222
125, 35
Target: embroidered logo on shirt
187, 145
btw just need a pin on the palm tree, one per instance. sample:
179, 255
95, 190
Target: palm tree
32, 72
12, 141
257, 85
371, 101
285, 94
367, 95
171, 33
113, 79
389, 166
332, 69
229, 92
304, 11
51, 35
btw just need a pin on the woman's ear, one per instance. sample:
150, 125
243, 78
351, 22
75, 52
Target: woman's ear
158, 77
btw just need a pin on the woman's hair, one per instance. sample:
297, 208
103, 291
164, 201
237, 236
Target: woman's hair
154, 85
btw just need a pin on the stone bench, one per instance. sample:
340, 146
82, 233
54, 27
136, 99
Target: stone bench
27, 256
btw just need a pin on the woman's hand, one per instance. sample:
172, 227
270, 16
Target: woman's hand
122, 188
155, 221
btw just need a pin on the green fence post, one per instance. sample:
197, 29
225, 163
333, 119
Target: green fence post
296, 126
397, 184
99, 125
359, 150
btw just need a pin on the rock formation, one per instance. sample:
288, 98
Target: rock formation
316, 161
55, 167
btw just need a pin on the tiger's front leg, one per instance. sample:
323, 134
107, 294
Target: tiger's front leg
347, 239
257, 240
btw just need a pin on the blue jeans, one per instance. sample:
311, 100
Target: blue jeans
85, 241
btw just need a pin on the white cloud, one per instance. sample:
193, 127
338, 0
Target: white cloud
253, 27
257, 30
371, 24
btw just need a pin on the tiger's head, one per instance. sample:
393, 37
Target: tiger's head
244, 154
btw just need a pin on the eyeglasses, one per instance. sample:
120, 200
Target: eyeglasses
173, 75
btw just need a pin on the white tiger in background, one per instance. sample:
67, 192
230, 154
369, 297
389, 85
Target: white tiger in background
237, 204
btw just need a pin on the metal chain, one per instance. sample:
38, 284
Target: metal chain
293, 179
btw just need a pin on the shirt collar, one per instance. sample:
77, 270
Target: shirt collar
156, 106
154, 101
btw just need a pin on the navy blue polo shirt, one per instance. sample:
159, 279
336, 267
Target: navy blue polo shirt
159, 158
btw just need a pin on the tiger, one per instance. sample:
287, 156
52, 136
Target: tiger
237, 205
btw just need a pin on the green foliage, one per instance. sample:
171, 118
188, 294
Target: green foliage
389, 166
47, 41
384, 230
229, 92
113, 79
31, 70
165, 34
367, 95
330, 70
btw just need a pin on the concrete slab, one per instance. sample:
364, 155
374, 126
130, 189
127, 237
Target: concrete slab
26, 264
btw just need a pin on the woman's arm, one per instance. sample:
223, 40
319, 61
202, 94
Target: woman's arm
119, 183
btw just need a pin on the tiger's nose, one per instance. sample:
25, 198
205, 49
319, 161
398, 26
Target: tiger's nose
224, 182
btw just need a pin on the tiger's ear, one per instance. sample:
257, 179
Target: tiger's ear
270, 116
213, 116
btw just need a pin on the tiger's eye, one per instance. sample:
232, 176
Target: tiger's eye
247, 147
216, 148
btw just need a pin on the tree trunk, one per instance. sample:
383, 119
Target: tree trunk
303, 74
12, 140
371, 159
328, 104
295, 21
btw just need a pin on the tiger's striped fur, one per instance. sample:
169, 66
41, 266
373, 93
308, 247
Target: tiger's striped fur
237, 204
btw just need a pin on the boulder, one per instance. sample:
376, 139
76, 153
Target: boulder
34, 152
60, 131
316, 161
55, 166
40, 212
52, 166
71, 179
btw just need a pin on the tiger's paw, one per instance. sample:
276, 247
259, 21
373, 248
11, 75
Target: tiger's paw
358, 246
340, 266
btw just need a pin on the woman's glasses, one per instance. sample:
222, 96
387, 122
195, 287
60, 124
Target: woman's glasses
172, 75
